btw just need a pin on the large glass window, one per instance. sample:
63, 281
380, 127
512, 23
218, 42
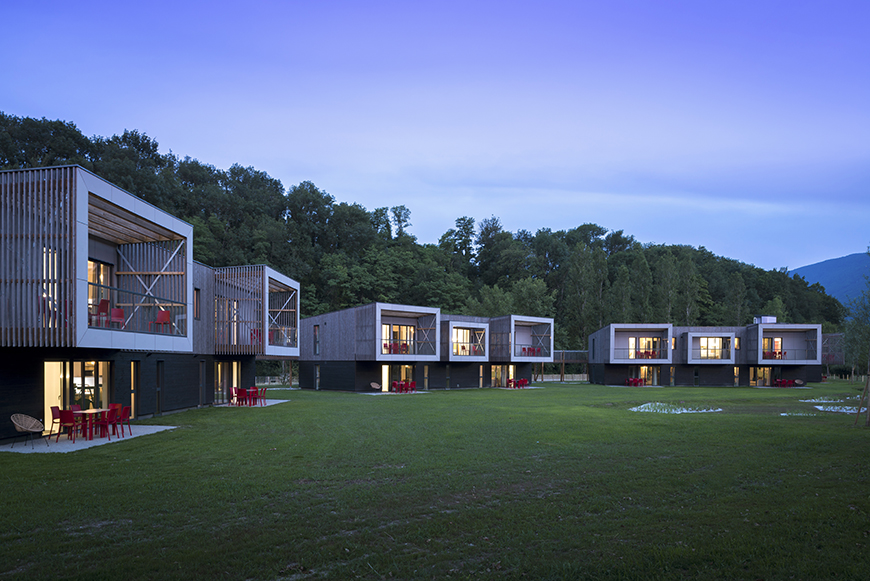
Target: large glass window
398, 339
771, 347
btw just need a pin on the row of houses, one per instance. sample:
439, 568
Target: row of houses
760, 354
101, 301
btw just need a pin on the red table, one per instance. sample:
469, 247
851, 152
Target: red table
89, 416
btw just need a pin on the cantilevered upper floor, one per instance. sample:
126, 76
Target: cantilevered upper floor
645, 344
86, 264
769, 343
464, 339
256, 312
382, 332
521, 339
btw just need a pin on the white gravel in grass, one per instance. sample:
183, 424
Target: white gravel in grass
667, 408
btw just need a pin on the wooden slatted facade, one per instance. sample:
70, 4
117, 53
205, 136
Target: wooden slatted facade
238, 310
37, 269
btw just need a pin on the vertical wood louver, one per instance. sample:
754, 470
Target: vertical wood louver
37, 246
238, 297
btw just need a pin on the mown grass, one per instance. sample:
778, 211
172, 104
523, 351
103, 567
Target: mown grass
555, 483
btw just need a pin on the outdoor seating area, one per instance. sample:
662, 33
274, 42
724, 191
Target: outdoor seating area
634, 381
517, 383
786, 383
774, 354
397, 349
646, 355
82, 423
250, 397
531, 351
404, 387
28, 426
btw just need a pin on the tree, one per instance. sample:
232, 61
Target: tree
775, 308
401, 219
641, 284
688, 292
665, 289
493, 302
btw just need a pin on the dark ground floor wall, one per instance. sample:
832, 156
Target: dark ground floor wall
704, 375
360, 375
166, 381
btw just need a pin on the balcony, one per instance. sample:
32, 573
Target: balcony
627, 353
399, 348
132, 312
711, 354
529, 350
283, 336
468, 349
790, 355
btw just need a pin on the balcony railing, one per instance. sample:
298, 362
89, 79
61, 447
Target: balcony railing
626, 353
120, 310
789, 355
465, 349
707, 354
398, 348
283, 336
521, 350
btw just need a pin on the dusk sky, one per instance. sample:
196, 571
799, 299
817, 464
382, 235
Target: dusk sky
743, 127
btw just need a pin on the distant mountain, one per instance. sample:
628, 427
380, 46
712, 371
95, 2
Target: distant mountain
842, 277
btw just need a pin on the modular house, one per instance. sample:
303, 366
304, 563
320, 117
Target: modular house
101, 302
764, 353
368, 348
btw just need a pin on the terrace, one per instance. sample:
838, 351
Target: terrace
253, 302
632, 342
709, 348
774, 343
94, 266
464, 338
406, 333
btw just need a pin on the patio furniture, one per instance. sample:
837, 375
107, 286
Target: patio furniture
241, 396
101, 318
124, 418
68, 420
117, 316
55, 419
395, 385
106, 420
413, 387
162, 320
261, 395
27, 425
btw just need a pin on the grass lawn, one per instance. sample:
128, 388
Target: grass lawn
557, 483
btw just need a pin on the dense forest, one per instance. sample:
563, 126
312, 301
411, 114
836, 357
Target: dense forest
345, 255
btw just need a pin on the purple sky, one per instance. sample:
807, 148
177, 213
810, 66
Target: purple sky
743, 127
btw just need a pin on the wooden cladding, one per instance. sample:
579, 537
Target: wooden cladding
37, 272
238, 298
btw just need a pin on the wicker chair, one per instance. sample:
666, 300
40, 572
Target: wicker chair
28, 425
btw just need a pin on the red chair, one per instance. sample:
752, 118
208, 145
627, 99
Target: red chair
162, 320
124, 418
261, 395
395, 387
413, 387
67, 420
102, 316
55, 419
255, 337
405, 349
241, 396
117, 316
253, 394
80, 419
107, 419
